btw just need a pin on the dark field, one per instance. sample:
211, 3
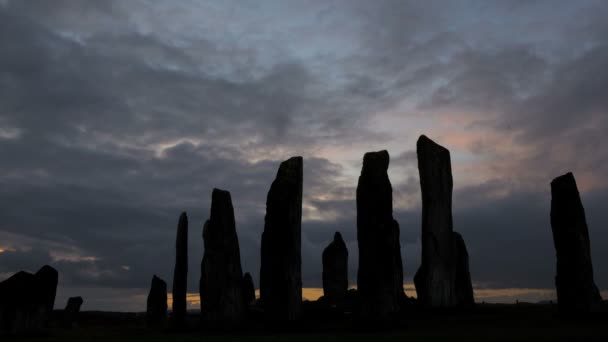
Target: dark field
485, 323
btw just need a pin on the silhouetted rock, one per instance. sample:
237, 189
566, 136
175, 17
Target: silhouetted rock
443, 279
380, 277
248, 289
335, 270
180, 274
46, 282
70, 313
576, 289
221, 285
281, 262
156, 308
27, 300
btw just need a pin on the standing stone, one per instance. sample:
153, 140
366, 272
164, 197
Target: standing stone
335, 270
221, 273
380, 276
46, 282
27, 300
280, 271
156, 309
443, 279
71, 311
576, 289
180, 274
248, 289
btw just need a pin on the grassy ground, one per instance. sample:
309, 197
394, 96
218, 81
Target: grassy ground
498, 323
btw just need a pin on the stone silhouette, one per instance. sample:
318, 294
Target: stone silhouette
180, 274
335, 270
443, 279
576, 289
248, 289
46, 281
27, 300
156, 308
281, 261
71, 311
221, 284
380, 276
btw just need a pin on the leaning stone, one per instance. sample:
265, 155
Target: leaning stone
576, 289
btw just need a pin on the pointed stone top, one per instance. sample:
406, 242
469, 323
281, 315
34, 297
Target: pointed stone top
563, 181
376, 160
290, 167
219, 192
247, 276
183, 218
338, 237
46, 269
425, 142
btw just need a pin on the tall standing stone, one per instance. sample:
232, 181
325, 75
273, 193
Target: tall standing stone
576, 289
443, 279
248, 289
46, 280
280, 271
221, 273
335, 270
180, 274
380, 276
156, 313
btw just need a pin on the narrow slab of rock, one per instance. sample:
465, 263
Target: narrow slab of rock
380, 276
248, 289
71, 311
281, 261
335, 270
180, 274
221, 273
576, 289
443, 279
156, 312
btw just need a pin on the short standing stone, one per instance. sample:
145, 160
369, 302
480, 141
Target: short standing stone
380, 276
443, 279
281, 261
221, 284
156, 312
576, 289
248, 289
180, 274
71, 311
335, 270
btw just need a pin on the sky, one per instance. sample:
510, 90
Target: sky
116, 116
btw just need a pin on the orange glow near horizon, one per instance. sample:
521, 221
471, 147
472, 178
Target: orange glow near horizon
496, 295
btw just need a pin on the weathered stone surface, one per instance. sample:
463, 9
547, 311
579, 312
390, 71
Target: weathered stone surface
335, 270
281, 262
27, 300
576, 289
156, 308
180, 274
71, 311
380, 276
443, 279
248, 289
221, 284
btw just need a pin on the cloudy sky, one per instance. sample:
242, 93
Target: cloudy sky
115, 116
